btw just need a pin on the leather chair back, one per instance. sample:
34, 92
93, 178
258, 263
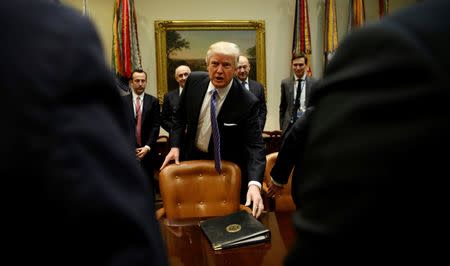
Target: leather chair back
193, 189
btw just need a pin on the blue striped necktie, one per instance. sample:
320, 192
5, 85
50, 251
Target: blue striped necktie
215, 132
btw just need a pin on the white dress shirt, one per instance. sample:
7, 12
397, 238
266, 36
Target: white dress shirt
204, 121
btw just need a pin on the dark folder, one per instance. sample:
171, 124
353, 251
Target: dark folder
236, 229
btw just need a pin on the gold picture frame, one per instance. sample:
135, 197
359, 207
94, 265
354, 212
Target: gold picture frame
190, 39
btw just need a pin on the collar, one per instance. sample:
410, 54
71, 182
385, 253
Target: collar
222, 92
302, 77
135, 96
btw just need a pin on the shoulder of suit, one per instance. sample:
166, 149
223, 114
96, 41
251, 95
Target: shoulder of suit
255, 82
172, 92
311, 79
127, 96
246, 97
287, 80
198, 74
150, 96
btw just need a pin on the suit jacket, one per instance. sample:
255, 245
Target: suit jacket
293, 142
150, 119
78, 194
370, 176
169, 107
287, 99
258, 90
240, 137
149, 129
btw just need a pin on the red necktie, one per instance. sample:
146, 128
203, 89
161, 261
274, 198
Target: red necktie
138, 121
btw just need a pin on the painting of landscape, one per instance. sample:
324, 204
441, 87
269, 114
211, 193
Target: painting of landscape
186, 43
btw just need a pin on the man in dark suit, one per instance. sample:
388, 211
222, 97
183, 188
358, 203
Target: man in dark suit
242, 72
77, 195
293, 142
143, 117
371, 165
293, 104
172, 98
239, 140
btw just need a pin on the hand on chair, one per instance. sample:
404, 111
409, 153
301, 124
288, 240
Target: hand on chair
254, 195
174, 154
274, 189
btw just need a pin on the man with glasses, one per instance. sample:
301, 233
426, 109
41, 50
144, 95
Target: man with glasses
242, 72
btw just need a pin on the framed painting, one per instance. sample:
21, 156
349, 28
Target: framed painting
186, 42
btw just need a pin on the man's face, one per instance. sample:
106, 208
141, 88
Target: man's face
243, 68
138, 83
299, 66
221, 70
181, 74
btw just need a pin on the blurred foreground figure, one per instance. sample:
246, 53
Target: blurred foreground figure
78, 196
371, 166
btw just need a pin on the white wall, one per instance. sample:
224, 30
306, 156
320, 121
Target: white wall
277, 14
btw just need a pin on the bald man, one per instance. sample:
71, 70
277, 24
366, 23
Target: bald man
172, 98
242, 72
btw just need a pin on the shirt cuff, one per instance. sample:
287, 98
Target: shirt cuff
276, 183
147, 147
254, 183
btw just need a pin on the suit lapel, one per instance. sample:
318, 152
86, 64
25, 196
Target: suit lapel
198, 94
230, 100
131, 106
290, 93
308, 90
145, 106
252, 87
176, 97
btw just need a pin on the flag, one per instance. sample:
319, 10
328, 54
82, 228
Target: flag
84, 8
331, 34
125, 55
356, 14
384, 7
301, 42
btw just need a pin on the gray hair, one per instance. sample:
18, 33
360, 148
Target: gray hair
225, 48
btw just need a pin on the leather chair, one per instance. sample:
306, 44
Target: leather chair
273, 140
161, 148
194, 190
283, 202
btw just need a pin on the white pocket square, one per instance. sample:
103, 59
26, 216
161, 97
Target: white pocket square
229, 125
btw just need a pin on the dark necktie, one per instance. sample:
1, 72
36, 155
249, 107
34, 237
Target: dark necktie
243, 84
138, 121
297, 100
215, 132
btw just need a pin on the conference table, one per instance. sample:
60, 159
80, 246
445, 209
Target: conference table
187, 245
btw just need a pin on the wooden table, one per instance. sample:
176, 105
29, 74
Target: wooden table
187, 245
